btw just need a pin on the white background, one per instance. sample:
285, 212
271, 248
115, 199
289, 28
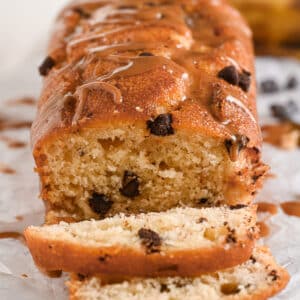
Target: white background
24, 26
23, 23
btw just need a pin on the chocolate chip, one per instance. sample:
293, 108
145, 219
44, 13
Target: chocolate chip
46, 66
150, 239
292, 83
162, 125
284, 112
230, 288
245, 80
130, 185
90, 114
269, 86
238, 206
256, 177
235, 145
68, 109
253, 259
82, 13
203, 201
81, 153
104, 258
100, 204
217, 31
80, 277
180, 284
202, 220
230, 74
164, 288
230, 238
274, 275
146, 54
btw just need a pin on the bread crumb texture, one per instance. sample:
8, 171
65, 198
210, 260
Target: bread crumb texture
166, 172
179, 228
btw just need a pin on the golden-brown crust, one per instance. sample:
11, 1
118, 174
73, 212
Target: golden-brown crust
277, 285
283, 277
53, 255
232, 40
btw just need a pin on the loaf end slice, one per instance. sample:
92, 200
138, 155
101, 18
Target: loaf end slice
257, 279
178, 242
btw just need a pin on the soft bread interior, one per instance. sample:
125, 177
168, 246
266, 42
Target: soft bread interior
178, 229
176, 170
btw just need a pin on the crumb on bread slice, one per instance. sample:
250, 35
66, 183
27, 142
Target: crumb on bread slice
181, 241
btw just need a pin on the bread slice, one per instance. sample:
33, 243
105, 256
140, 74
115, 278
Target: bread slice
147, 108
181, 241
257, 279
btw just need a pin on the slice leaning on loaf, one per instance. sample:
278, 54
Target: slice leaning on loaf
257, 279
146, 107
178, 242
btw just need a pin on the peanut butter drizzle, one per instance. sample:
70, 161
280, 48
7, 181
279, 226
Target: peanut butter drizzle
265, 207
23, 101
125, 47
15, 229
136, 17
19, 218
183, 55
291, 208
9, 124
139, 65
134, 66
82, 93
12, 143
12, 235
264, 229
4, 169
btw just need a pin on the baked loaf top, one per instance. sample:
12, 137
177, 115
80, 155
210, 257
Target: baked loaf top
190, 59
178, 242
257, 279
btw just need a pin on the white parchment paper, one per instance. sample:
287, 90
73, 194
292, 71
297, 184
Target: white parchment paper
19, 192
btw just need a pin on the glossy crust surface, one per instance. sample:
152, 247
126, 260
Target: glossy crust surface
224, 39
100, 63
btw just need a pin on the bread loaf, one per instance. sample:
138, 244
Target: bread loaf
178, 242
147, 106
257, 279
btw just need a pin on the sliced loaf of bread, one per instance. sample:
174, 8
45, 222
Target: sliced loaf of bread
178, 242
257, 279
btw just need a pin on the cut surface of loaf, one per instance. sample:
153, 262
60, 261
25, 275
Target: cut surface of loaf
178, 242
146, 107
257, 279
